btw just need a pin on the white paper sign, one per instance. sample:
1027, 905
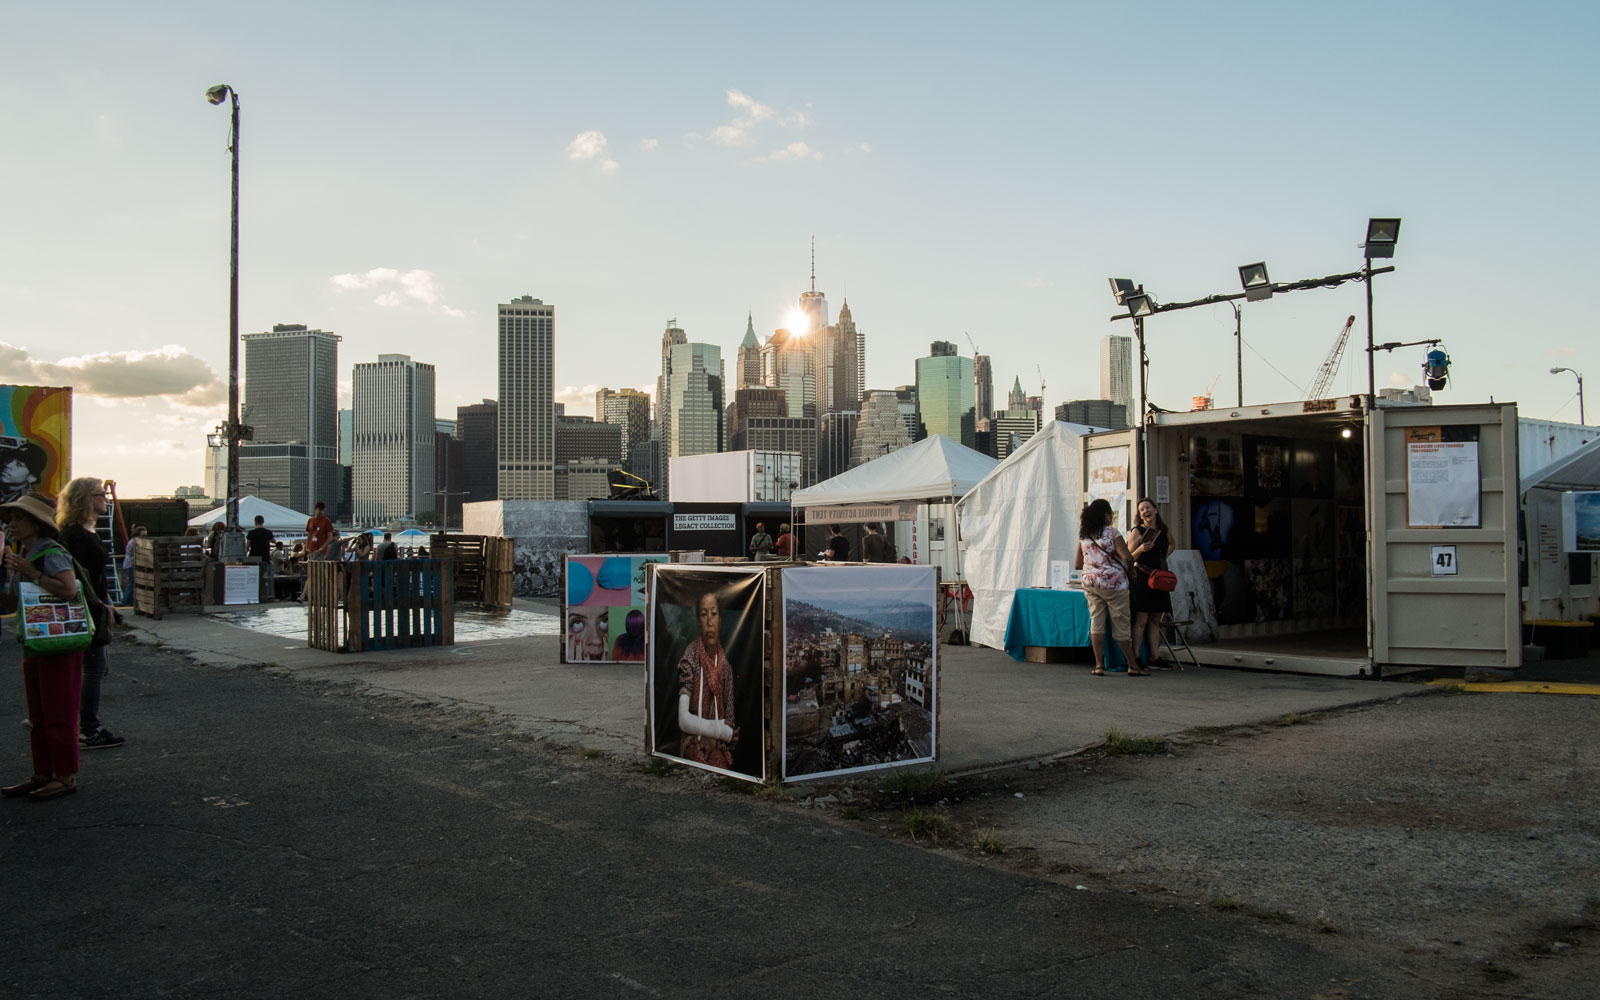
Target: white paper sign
1163, 489
1061, 574
1108, 478
1442, 485
1444, 560
704, 522
241, 584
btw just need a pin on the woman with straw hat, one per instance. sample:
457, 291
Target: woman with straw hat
53, 680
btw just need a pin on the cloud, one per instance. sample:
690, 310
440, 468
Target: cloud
793, 151
1562, 353
648, 144
399, 288
592, 146
1033, 283
170, 372
579, 402
750, 114
1400, 380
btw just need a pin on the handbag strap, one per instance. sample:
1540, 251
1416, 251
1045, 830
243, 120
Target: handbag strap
84, 590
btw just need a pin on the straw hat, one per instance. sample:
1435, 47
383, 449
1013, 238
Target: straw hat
38, 506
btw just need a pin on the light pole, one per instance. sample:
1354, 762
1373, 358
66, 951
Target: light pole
1579, 375
1382, 234
216, 95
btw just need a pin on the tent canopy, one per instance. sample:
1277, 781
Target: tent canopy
935, 468
1577, 471
278, 517
1021, 517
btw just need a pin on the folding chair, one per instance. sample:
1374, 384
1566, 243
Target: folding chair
1172, 638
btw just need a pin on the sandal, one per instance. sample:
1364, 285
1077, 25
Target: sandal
24, 787
1098, 672
54, 789
1145, 672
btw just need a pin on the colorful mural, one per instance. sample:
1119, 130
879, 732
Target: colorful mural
35, 439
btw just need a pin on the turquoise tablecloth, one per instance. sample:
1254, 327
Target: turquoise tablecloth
1041, 617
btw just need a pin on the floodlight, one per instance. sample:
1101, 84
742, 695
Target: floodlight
1253, 277
1382, 234
1121, 288
217, 94
1140, 305
1436, 368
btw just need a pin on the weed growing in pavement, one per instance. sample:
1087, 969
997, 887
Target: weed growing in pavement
930, 825
1118, 741
1226, 904
774, 791
849, 812
986, 842
658, 767
590, 753
912, 786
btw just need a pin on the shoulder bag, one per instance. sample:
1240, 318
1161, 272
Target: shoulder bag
47, 624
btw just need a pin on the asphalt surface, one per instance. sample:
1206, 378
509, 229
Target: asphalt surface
262, 836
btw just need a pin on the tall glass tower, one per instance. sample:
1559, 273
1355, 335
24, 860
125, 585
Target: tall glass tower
946, 400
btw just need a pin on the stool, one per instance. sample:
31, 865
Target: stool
1172, 638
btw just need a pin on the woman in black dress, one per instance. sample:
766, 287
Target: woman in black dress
1150, 542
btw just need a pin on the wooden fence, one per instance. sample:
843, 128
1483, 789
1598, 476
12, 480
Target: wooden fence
168, 575
387, 604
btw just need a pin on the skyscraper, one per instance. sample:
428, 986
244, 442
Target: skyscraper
747, 369
478, 430
881, 428
1116, 370
662, 429
526, 452
983, 385
393, 440
1016, 423
788, 362
628, 409
586, 453
945, 394
692, 419
291, 401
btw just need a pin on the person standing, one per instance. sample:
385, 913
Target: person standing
53, 681
78, 512
760, 542
1103, 557
319, 535
838, 545
1150, 543
213, 541
874, 547
258, 545
128, 586
784, 546
388, 550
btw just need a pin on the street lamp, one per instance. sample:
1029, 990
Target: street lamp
1382, 235
1253, 279
216, 95
1139, 304
1557, 371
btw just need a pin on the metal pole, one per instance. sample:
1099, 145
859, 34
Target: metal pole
1372, 380
1580, 399
233, 334
1238, 349
1138, 427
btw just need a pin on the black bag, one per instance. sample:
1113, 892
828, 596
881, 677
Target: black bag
98, 611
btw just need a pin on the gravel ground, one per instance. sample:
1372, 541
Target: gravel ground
1445, 830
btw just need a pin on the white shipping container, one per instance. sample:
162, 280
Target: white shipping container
1540, 442
735, 477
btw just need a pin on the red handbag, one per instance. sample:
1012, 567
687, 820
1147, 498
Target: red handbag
1161, 579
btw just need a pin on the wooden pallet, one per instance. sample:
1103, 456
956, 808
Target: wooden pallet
387, 604
168, 575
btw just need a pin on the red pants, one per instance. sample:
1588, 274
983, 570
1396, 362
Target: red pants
53, 684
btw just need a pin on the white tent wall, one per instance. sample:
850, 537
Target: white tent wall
1021, 517
277, 516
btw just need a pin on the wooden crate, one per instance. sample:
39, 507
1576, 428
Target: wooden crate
499, 563
168, 575
466, 555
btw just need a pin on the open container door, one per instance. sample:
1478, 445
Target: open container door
1443, 498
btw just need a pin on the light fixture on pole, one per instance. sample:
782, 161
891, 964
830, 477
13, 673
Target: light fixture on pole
1139, 305
234, 433
1579, 376
1382, 235
1253, 279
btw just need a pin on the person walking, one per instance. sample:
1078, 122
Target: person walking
53, 681
1150, 543
78, 512
1103, 557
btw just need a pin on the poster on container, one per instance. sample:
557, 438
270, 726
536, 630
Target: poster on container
860, 661
35, 440
1580, 520
707, 658
603, 608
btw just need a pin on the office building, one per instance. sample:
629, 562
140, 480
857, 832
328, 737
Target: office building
788, 362
836, 440
983, 386
291, 404
1094, 413
478, 432
881, 428
393, 449
587, 451
906, 399
945, 393
1015, 424
692, 421
661, 429
793, 434
448, 471
629, 409
526, 432
1116, 370
747, 369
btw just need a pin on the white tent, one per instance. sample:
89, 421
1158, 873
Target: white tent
1579, 470
1023, 515
935, 468
278, 517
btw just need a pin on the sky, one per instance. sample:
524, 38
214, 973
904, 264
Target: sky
965, 170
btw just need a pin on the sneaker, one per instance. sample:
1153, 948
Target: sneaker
100, 739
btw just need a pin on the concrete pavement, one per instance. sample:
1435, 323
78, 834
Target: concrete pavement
995, 710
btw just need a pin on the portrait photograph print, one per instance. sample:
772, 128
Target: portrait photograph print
706, 663
603, 608
860, 647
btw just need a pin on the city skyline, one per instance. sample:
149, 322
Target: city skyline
992, 198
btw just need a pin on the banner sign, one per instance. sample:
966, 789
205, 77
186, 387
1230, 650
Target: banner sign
848, 513
705, 522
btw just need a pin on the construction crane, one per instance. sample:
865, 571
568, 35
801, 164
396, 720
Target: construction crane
974, 343
1040, 369
1330, 366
